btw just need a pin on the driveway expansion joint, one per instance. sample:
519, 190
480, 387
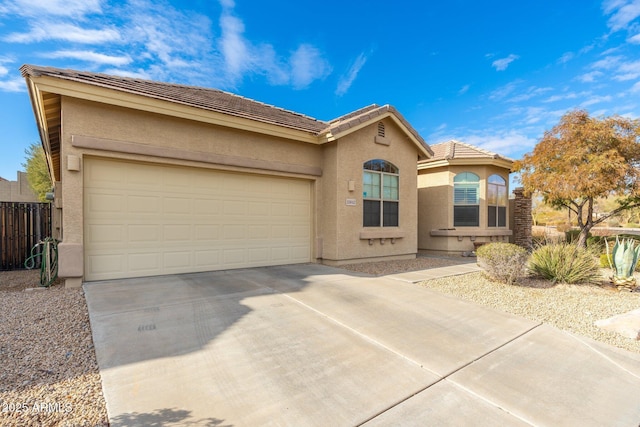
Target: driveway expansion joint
446, 376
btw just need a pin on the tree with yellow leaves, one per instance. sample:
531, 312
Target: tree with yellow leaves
582, 159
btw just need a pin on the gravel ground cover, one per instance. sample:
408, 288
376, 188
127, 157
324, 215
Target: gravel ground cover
48, 370
392, 267
573, 308
49, 374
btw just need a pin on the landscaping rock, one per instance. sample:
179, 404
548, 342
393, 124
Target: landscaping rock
627, 324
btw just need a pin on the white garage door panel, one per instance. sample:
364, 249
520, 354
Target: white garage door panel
143, 220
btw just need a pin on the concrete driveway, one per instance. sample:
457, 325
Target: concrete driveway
310, 345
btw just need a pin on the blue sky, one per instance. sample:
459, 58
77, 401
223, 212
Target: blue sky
496, 73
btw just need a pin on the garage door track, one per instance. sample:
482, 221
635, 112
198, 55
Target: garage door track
310, 345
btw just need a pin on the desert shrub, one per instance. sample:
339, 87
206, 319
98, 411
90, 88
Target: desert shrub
565, 263
605, 261
624, 236
572, 235
596, 243
503, 262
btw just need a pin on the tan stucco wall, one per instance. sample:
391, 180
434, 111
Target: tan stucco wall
343, 223
435, 195
17, 191
88, 119
336, 228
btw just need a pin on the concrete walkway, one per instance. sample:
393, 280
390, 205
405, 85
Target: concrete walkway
310, 345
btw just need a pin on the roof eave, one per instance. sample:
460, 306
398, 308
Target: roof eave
479, 161
149, 104
39, 111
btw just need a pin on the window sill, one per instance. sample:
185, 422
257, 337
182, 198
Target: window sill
384, 235
472, 233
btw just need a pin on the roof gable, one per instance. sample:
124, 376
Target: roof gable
365, 116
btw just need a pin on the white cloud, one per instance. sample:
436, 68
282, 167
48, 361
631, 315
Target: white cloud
90, 56
628, 71
464, 89
623, 13
504, 91
242, 57
51, 7
590, 76
531, 92
503, 63
307, 65
562, 97
137, 74
566, 57
42, 31
634, 39
13, 85
596, 100
608, 62
347, 80
635, 88
161, 42
232, 44
504, 142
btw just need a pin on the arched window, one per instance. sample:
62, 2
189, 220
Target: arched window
497, 201
466, 200
380, 193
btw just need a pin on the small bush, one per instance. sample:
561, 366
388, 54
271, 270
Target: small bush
605, 261
565, 263
503, 262
596, 243
572, 235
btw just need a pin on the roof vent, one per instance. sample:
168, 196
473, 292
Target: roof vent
381, 129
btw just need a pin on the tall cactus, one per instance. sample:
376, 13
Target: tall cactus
623, 261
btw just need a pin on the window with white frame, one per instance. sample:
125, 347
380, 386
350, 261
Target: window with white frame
380, 193
466, 200
497, 201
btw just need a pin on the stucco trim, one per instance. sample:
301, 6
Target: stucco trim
70, 260
382, 234
469, 233
102, 144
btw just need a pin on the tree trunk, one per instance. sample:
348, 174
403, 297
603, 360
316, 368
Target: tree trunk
586, 226
582, 237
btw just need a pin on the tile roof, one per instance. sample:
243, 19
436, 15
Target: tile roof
208, 99
453, 149
224, 102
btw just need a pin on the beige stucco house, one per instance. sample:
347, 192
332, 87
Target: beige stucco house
462, 198
155, 178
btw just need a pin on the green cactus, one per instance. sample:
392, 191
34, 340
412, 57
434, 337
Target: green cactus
623, 261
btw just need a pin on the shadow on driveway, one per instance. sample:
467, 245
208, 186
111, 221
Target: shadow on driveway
314, 345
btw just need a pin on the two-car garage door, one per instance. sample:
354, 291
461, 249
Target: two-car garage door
144, 220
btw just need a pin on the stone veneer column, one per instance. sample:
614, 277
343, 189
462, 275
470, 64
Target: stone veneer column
522, 221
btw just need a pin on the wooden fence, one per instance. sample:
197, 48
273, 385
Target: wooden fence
22, 226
